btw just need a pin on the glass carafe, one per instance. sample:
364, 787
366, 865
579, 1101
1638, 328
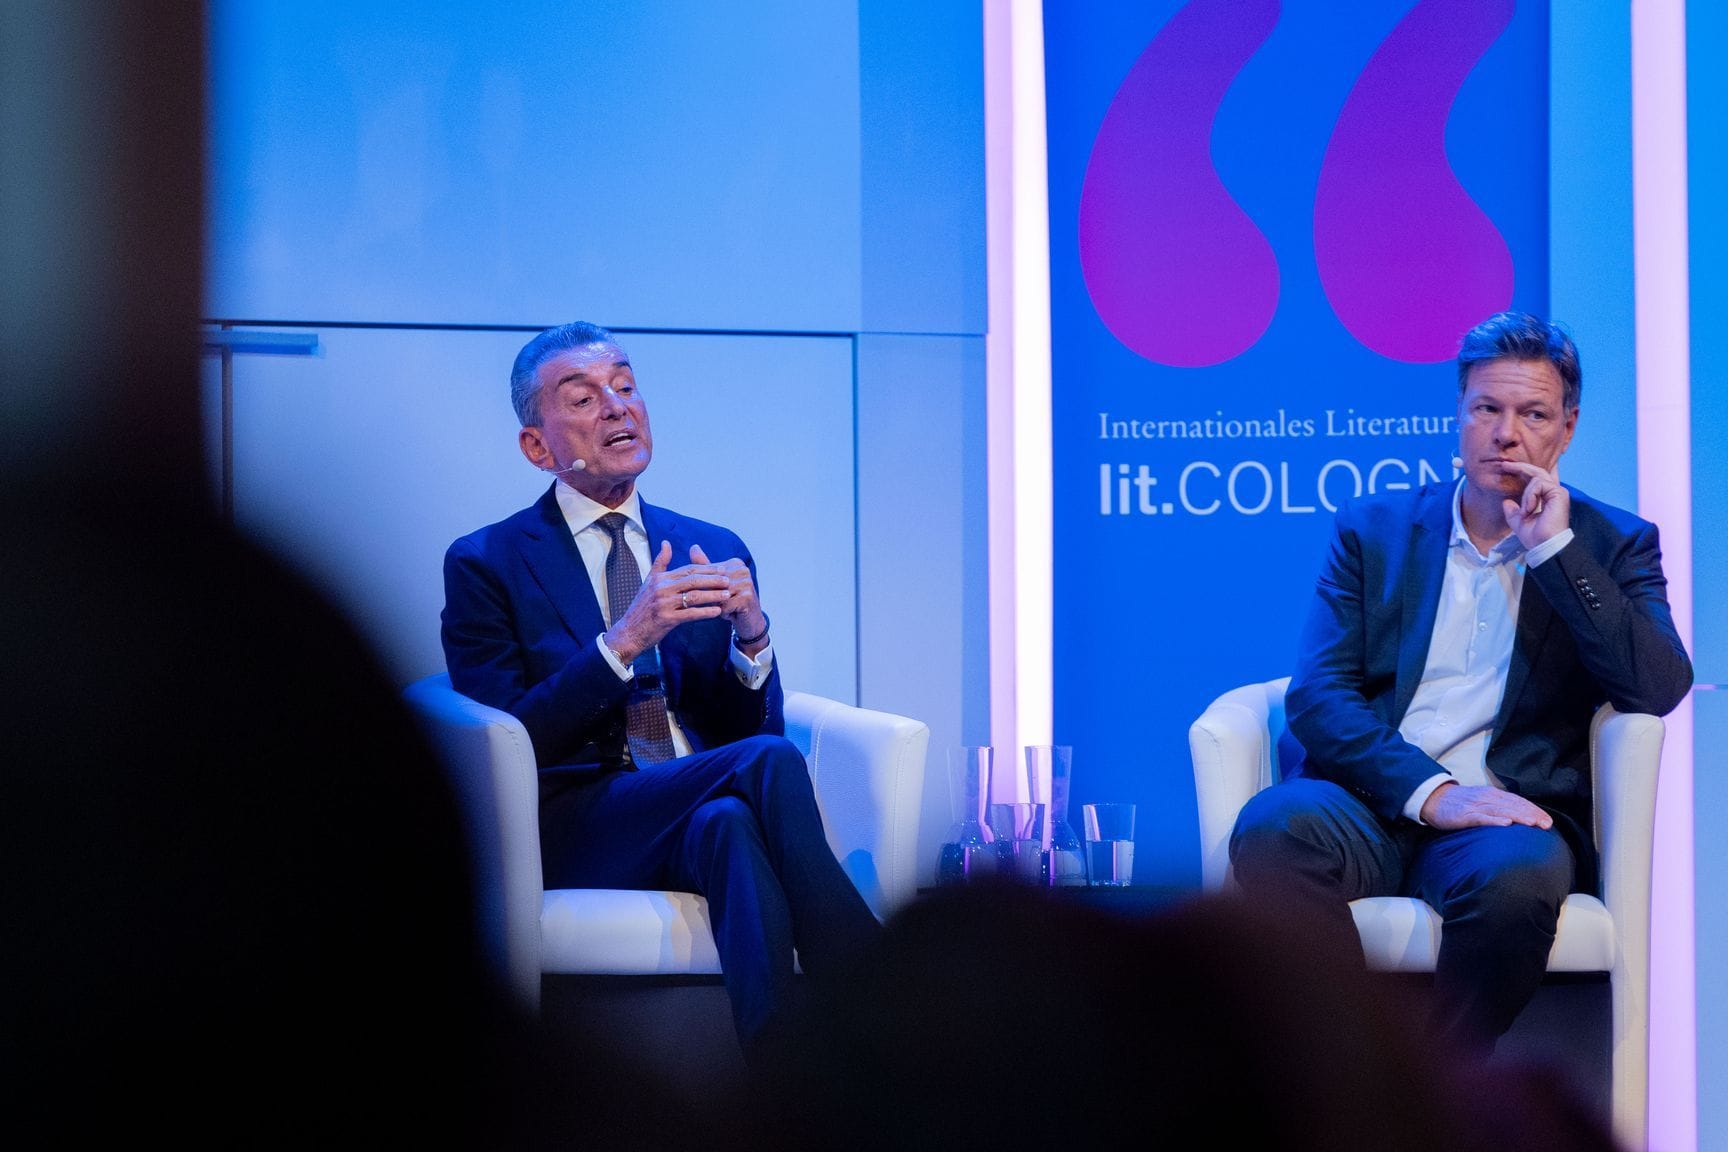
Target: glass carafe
1049, 772
972, 849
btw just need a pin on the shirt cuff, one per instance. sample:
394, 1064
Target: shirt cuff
1546, 549
1413, 806
752, 673
625, 672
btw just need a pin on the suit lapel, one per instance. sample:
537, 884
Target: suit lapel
660, 525
1424, 572
1535, 614
555, 562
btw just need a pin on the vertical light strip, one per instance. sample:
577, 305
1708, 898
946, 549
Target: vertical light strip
1017, 351
1033, 562
999, 361
1659, 229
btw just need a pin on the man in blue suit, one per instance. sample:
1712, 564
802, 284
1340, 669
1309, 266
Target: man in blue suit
643, 672
1461, 638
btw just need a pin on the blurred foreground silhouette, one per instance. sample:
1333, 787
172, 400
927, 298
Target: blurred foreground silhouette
1001, 1013
237, 908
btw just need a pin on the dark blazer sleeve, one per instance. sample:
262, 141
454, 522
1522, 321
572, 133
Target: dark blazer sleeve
504, 652
1617, 612
1341, 689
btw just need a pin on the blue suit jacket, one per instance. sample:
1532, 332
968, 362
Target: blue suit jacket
1593, 626
519, 628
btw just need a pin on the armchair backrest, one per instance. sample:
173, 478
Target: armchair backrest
868, 771
1234, 747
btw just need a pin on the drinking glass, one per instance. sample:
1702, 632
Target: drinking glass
1109, 844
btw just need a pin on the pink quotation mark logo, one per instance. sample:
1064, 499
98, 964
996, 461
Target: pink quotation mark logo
1407, 259
1175, 268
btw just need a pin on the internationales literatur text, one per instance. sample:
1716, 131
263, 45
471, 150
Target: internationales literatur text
1280, 426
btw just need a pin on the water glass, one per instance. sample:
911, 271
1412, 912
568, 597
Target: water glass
1109, 845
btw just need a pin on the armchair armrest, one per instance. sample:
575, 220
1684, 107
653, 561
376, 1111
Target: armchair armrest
490, 760
1232, 746
868, 771
1625, 754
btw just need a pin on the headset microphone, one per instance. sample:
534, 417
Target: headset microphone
575, 466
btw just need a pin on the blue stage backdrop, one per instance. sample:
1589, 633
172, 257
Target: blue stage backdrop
1269, 225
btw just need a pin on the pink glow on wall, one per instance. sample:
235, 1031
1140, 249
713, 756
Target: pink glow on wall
1665, 496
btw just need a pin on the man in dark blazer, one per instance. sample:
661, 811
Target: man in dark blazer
643, 672
1461, 638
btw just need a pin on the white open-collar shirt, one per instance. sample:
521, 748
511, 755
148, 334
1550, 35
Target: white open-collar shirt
1451, 717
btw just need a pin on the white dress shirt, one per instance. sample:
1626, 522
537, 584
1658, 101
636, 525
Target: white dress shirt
1451, 717
595, 545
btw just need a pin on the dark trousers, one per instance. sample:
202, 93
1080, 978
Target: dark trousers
739, 825
1497, 890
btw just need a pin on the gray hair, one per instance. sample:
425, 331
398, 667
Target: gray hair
524, 381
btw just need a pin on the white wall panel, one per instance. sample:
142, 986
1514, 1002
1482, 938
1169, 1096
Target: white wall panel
526, 161
922, 114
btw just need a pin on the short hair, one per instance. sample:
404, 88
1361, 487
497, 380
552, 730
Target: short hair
524, 382
1521, 336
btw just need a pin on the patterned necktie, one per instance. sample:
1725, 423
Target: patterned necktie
645, 723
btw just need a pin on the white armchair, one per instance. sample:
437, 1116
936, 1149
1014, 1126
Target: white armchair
868, 772
1234, 747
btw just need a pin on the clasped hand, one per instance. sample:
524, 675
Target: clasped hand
699, 590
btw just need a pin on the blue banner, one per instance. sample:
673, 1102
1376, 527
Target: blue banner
1269, 226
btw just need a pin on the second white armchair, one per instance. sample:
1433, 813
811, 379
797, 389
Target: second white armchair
1234, 747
